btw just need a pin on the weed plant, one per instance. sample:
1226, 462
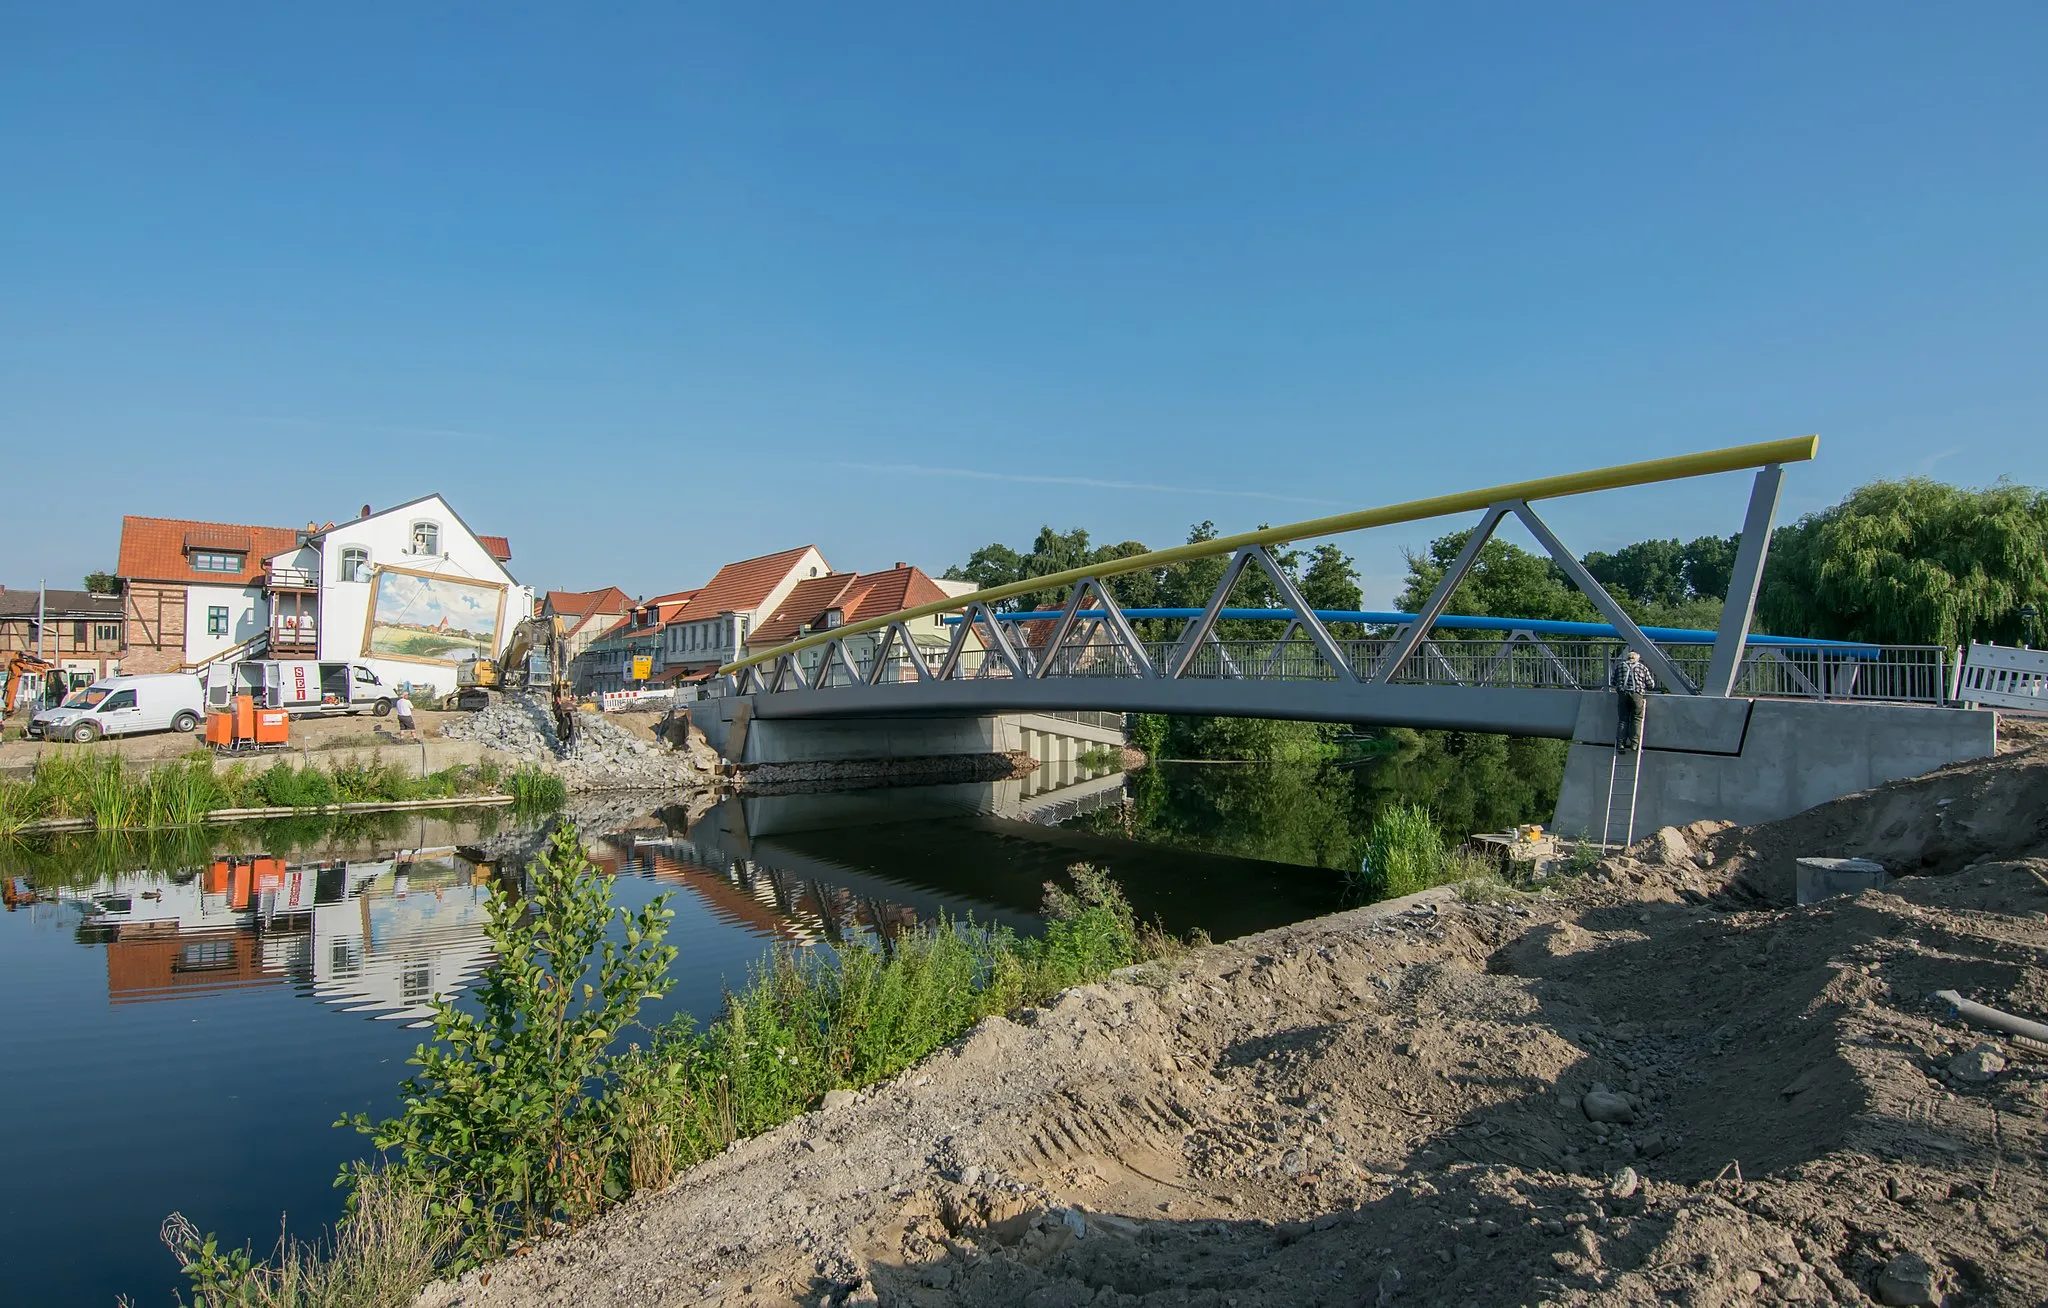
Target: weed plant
534, 788
1403, 853
531, 1115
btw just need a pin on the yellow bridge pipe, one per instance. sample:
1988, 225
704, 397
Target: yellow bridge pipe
1796, 449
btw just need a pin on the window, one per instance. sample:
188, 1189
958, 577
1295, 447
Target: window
217, 620
107, 631
426, 538
78, 633
355, 564
212, 561
205, 956
120, 699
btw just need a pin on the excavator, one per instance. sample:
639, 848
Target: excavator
533, 661
20, 664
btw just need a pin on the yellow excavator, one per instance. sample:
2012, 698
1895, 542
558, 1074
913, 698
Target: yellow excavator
19, 665
533, 661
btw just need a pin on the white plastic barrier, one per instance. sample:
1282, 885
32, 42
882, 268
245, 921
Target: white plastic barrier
614, 700
1995, 676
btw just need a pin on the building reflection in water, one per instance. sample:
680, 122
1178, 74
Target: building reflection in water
380, 937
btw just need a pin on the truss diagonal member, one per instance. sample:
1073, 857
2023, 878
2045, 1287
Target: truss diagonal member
1274, 660
1223, 659
1417, 631
1435, 654
1124, 637
883, 649
836, 650
1290, 594
1666, 672
949, 665
1050, 655
1812, 691
1197, 631
1504, 655
1557, 665
1740, 606
911, 650
996, 641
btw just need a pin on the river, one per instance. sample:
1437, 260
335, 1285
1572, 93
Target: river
188, 1016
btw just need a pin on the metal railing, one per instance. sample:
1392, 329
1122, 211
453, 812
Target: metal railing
277, 578
1906, 674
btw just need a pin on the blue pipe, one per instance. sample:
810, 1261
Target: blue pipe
1540, 626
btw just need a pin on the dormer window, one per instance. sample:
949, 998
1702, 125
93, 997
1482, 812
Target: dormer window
215, 561
834, 617
426, 538
355, 564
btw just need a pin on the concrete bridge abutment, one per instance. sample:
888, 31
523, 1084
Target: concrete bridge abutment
1749, 761
741, 738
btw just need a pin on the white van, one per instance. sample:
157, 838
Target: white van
304, 687
122, 706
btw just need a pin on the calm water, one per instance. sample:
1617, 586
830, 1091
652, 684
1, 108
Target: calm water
186, 1020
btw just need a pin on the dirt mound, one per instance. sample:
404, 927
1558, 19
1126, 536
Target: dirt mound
604, 755
1644, 1087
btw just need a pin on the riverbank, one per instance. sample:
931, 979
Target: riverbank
1658, 1081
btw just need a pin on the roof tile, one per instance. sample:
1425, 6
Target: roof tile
154, 549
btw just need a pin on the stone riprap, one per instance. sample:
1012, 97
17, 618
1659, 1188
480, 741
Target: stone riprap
603, 756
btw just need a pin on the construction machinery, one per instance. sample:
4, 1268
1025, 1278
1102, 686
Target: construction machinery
243, 726
533, 662
20, 665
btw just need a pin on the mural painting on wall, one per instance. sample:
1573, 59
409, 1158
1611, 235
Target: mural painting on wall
430, 618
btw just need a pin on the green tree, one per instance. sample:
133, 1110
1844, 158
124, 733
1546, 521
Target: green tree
1915, 562
1649, 572
102, 583
1329, 582
1710, 565
1505, 581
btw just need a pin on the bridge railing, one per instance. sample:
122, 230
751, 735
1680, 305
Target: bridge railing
1520, 660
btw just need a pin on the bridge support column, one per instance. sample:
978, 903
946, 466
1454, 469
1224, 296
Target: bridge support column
1758, 760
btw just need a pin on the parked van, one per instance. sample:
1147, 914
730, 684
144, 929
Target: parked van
122, 706
305, 688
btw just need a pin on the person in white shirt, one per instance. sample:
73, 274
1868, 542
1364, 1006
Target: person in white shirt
405, 723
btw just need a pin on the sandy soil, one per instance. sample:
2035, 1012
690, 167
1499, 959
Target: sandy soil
1395, 1105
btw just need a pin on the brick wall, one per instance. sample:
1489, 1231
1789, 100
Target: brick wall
155, 627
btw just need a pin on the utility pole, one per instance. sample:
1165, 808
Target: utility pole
42, 620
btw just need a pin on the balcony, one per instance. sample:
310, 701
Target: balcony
294, 637
288, 579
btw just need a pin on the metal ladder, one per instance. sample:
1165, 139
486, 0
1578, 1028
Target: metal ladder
1627, 822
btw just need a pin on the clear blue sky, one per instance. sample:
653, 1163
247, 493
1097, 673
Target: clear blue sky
648, 288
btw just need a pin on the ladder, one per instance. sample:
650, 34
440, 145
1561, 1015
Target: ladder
1623, 816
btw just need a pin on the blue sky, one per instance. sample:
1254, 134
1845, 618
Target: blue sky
648, 288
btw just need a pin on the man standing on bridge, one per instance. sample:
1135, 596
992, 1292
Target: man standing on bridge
1632, 682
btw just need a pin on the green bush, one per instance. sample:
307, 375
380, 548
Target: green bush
283, 786
1403, 853
534, 787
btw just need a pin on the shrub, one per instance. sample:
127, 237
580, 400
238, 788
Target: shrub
505, 1127
1404, 853
534, 787
283, 786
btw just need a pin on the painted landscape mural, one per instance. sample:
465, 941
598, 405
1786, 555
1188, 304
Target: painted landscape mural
435, 619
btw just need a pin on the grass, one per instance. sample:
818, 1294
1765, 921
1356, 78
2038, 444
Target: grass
806, 1022
1403, 853
1101, 756
94, 784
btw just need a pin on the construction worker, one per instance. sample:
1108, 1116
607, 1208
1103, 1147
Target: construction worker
1632, 681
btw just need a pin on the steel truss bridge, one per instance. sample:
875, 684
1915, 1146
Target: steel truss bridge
1427, 669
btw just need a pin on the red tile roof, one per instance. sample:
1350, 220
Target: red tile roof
857, 596
497, 547
155, 549
742, 587
804, 606
583, 603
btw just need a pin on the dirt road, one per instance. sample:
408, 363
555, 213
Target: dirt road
1659, 1084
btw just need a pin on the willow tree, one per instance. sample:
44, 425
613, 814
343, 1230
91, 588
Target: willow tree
1914, 562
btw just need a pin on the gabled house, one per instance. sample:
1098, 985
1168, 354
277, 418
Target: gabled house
825, 603
609, 662
192, 591
77, 630
720, 617
410, 590
584, 615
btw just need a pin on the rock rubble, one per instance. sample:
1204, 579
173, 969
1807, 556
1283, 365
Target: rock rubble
603, 756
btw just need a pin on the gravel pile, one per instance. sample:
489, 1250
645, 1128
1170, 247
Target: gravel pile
604, 755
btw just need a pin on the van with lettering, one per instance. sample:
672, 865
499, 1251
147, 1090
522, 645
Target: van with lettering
123, 706
305, 688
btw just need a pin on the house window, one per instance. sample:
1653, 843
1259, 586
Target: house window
107, 631
355, 564
212, 561
426, 538
217, 620
78, 633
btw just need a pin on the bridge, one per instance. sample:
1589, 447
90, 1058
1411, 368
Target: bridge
1749, 726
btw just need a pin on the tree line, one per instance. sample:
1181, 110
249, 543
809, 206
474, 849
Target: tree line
1909, 562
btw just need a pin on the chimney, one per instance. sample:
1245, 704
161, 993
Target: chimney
365, 513
900, 565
